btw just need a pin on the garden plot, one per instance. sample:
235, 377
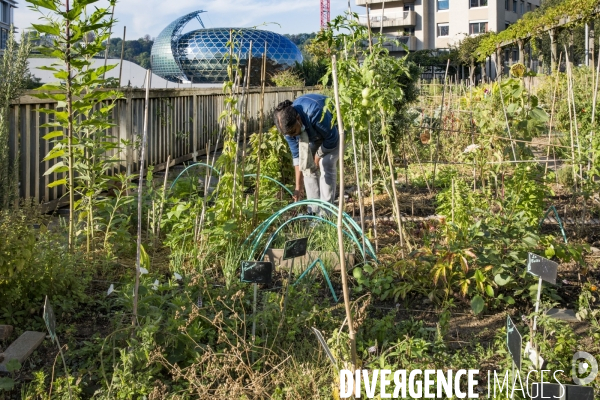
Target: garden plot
162, 286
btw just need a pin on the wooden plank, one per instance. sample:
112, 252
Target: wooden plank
301, 263
22, 348
13, 146
36, 159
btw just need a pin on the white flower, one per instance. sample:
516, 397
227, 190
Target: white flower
177, 276
111, 289
143, 271
372, 349
155, 285
471, 148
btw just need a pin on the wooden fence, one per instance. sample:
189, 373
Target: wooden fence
181, 123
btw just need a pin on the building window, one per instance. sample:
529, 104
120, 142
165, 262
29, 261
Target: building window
478, 3
5, 12
522, 7
443, 5
3, 38
507, 5
409, 31
506, 25
409, 7
443, 30
476, 28
528, 7
514, 6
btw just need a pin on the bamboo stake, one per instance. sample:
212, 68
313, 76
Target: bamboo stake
512, 145
164, 195
420, 164
372, 191
140, 195
351, 332
592, 154
437, 145
71, 156
390, 158
207, 176
361, 207
263, 76
572, 97
369, 28
122, 55
382, 15
249, 77
390, 195
571, 120
237, 137
557, 83
112, 17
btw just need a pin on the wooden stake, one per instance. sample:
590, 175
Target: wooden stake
263, 76
592, 155
557, 83
372, 191
112, 17
140, 196
437, 146
164, 195
340, 122
248, 78
361, 207
122, 54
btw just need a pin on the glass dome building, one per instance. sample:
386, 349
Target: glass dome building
202, 56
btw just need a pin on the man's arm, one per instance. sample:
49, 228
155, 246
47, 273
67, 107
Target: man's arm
298, 191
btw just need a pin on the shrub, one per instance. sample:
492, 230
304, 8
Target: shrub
287, 78
36, 263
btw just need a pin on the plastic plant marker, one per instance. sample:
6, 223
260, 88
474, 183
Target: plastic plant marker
295, 248
514, 342
546, 269
50, 319
323, 343
256, 272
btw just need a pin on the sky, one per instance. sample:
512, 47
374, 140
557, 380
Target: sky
151, 16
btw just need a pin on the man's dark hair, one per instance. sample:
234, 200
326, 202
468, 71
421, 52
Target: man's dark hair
285, 116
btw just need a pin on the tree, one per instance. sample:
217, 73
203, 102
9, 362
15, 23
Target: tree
81, 121
467, 52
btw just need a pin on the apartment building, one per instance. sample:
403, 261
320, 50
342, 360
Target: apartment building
6, 20
438, 24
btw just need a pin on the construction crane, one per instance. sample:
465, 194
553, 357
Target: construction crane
325, 13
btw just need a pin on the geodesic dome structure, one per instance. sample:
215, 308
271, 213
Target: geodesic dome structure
202, 56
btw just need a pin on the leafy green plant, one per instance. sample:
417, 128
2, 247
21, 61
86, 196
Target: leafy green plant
17, 245
6, 383
82, 118
48, 269
114, 212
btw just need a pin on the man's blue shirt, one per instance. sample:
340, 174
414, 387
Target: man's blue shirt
320, 132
